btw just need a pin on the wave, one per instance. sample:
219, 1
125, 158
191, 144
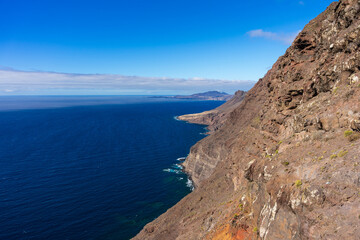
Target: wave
178, 166
190, 184
172, 170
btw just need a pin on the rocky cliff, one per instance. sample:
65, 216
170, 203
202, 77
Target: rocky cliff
216, 117
285, 164
204, 155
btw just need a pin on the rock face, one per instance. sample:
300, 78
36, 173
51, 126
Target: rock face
285, 164
196, 165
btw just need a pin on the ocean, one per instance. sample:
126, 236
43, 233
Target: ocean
91, 167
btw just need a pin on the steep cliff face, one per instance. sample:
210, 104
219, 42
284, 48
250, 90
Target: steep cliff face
204, 155
285, 164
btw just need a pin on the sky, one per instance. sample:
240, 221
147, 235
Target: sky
144, 46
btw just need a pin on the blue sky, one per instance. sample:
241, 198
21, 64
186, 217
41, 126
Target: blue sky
177, 39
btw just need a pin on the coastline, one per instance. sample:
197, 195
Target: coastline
282, 164
182, 163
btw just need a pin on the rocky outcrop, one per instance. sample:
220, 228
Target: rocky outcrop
215, 118
285, 164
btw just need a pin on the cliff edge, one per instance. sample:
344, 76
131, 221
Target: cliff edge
216, 117
285, 164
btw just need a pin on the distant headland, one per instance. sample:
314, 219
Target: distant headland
210, 95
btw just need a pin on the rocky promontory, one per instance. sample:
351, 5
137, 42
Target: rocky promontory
216, 117
284, 164
210, 95
206, 96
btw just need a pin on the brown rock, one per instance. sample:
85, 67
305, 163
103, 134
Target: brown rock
304, 182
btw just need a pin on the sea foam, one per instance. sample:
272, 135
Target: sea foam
172, 170
178, 166
190, 184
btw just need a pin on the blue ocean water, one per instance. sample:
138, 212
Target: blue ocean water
91, 167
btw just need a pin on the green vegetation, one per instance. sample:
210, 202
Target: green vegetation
342, 153
351, 135
298, 183
285, 163
255, 229
335, 90
347, 133
333, 156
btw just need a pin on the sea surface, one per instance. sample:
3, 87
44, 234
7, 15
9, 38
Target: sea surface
91, 167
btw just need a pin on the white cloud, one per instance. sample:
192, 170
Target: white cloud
286, 38
23, 82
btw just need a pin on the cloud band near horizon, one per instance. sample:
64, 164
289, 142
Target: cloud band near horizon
15, 82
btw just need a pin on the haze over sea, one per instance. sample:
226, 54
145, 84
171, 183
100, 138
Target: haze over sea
90, 167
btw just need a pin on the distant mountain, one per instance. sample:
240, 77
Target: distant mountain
216, 117
210, 95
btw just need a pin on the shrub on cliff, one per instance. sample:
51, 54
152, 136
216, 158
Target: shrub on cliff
351, 135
